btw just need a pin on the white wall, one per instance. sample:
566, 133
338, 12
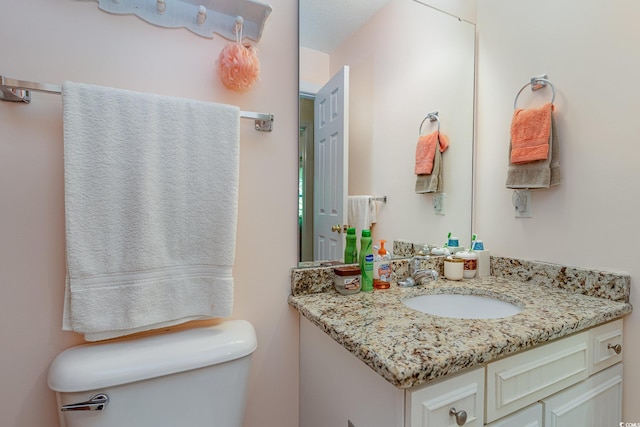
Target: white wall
51, 42
590, 51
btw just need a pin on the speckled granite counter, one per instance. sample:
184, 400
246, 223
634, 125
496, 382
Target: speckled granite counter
408, 348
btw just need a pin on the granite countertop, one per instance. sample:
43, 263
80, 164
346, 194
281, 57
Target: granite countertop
408, 348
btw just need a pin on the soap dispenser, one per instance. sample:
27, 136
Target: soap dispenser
382, 268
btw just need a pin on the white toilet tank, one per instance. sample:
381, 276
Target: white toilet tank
193, 378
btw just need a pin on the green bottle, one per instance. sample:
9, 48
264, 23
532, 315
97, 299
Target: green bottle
351, 250
366, 261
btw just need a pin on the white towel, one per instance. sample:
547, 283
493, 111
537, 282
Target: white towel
362, 212
151, 187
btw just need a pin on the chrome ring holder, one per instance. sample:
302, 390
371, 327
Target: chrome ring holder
432, 117
537, 83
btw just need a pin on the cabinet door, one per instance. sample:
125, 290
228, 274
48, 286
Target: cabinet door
594, 402
431, 406
531, 416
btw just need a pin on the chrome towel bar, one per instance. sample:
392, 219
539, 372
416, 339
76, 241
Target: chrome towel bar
13, 90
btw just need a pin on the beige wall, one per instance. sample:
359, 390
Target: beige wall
314, 69
73, 40
590, 51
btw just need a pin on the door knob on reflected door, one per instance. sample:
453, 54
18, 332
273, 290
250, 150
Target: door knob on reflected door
337, 228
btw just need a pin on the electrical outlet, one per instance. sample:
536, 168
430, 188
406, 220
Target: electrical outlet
438, 203
522, 203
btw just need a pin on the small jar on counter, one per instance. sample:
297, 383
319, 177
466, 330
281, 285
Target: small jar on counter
347, 279
453, 268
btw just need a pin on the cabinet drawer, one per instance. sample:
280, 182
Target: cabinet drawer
431, 405
605, 340
524, 378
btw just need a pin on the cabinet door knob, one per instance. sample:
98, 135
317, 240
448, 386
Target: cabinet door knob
617, 348
461, 416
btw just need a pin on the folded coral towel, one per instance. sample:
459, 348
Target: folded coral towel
151, 188
538, 173
530, 131
426, 150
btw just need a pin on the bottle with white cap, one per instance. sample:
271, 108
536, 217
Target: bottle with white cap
484, 258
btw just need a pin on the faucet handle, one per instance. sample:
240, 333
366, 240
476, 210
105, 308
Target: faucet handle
423, 251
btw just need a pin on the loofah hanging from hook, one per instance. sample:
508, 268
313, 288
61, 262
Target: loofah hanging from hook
238, 64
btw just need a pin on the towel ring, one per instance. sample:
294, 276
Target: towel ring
536, 83
433, 117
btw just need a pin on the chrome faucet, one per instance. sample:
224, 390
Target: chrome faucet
417, 275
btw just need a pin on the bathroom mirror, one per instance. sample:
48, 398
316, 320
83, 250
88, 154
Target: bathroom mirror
406, 61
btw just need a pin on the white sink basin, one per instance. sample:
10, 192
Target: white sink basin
462, 306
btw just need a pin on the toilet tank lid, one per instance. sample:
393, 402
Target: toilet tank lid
92, 366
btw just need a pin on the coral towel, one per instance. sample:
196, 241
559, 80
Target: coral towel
530, 132
426, 150
151, 198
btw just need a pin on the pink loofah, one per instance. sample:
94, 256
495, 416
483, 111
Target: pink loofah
238, 66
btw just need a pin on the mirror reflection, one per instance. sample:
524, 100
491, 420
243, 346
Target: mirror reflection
406, 61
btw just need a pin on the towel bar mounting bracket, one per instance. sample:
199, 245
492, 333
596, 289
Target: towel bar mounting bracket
539, 82
15, 95
262, 123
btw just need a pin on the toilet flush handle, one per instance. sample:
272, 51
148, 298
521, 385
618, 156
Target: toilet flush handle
96, 403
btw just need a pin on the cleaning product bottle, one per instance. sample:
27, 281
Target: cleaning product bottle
350, 249
366, 261
382, 268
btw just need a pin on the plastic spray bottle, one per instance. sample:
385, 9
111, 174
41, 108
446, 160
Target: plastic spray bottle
350, 249
366, 261
382, 268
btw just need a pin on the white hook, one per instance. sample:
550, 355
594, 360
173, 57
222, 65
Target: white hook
239, 24
161, 6
202, 15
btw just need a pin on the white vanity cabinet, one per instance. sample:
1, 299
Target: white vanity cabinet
576, 380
